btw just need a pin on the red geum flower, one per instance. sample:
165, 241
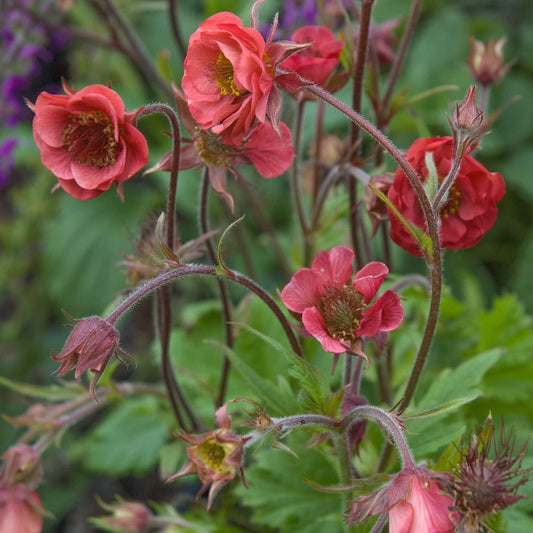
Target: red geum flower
337, 311
215, 457
230, 73
20, 510
88, 140
317, 61
471, 207
269, 151
90, 346
414, 502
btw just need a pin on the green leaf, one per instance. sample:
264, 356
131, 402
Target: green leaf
450, 385
441, 409
127, 441
51, 393
281, 499
312, 381
265, 390
454, 383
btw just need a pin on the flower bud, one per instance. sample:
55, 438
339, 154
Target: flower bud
486, 61
90, 346
375, 207
467, 122
126, 517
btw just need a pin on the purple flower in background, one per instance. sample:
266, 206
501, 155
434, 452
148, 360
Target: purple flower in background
7, 163
26, 46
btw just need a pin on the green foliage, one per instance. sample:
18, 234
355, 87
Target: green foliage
279, 497
128, 439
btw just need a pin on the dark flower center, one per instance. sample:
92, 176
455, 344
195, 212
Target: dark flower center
211, 150
341, 307
90, 138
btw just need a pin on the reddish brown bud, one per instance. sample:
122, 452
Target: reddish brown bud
486, 61
90, 346
467, 122
375, 207
488, 476
467, 115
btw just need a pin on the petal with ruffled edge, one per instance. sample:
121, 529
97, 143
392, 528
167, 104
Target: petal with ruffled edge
369, 279
334, 266
385, 315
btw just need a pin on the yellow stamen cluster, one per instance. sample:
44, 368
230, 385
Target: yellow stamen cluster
224, 76
452, 205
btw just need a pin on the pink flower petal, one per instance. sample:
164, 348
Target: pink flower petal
369, 279
334, 266
302, 291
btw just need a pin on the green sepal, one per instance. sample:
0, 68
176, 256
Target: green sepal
424, 241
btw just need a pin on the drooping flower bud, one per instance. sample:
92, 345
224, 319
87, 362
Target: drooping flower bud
90, 346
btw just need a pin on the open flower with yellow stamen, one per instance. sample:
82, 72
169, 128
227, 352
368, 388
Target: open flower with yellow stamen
336, 310
470, 210
88, 140
230, 79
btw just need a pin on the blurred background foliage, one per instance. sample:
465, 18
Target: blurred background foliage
59, 253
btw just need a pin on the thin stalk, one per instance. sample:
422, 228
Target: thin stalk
342, 448
296, 185
138, 52
394, 152
400, 55
163, 307
357, 92
226, 305
174, 25
442, 194
143, 290
388, 422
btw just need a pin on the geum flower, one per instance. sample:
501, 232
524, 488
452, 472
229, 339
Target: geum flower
90, 346
414, 502
319, 59
215, 457
230, 75
20, 506
337, 311
88, 140
470, 210
270, 152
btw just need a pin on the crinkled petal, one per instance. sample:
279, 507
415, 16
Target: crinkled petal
334, 266
369, 279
